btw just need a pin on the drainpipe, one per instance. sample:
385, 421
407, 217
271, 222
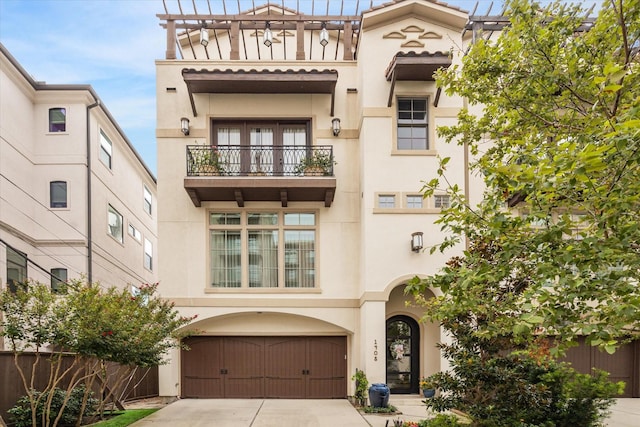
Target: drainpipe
89, 235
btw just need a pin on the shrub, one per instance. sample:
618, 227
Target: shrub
21, 412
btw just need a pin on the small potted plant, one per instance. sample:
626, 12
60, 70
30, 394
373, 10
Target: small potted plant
207, 161
318, 163
427, 387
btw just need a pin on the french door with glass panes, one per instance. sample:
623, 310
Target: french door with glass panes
263, 147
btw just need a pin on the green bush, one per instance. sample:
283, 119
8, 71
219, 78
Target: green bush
21, 412
440, 420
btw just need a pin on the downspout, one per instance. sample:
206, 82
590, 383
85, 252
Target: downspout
89, 235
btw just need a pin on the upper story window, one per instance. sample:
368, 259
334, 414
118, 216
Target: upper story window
57, 119
58, 194
262, 249
258, 139
115, 224
16, 268
58, 279
413, 126
415, 201
441, 201
106, 150
386, 201
134, 232
148, 255
148, 200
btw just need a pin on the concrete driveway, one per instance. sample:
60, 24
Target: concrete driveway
315, 413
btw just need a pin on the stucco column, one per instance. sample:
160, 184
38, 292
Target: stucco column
169, 375
372, 341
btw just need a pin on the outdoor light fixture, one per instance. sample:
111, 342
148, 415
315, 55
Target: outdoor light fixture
416, 241
324, 35
335, 126
204, 36
184, 126
267, 37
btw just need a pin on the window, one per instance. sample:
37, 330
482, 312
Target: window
414, 201
148, 255
386, 201
258, 139
106, 150
262, 249
148, 199
58, 279
115, 224
413, 124
57, 119
441, 201
58, 194
134, 232
16, 268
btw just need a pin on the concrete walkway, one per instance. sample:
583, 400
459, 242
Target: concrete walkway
315, 413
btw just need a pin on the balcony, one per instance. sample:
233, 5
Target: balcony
285, 173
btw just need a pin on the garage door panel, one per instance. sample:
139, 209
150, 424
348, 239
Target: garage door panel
202, 367
285, 367
327, 375
244, 367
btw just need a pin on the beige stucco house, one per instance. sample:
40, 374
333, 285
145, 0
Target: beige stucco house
76, 199
297, 277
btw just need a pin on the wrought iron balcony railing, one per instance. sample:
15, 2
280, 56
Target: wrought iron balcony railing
240, 160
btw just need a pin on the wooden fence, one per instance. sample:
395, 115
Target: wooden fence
142, 384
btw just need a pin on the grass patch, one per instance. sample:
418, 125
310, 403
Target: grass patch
124, 418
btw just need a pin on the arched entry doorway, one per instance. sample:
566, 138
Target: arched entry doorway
403, 355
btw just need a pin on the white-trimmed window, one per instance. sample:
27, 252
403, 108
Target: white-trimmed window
386, 201
413, 124
148, 255
106, 149
58, 279
134, 232
272, 249
415, 201
148, 200
58, 194
57, 119
441, 201
115, 228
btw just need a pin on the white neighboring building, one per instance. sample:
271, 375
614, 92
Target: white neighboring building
76, 199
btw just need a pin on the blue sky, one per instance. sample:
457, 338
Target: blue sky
112, 45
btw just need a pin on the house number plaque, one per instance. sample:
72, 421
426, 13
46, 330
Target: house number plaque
375, 350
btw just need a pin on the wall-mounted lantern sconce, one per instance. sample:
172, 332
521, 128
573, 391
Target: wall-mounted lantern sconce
204, 35
184, 126
416, 241
267, 37
324, 35
335, 126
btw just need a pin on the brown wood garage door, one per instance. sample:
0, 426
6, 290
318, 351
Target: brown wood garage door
623, 365
264, 367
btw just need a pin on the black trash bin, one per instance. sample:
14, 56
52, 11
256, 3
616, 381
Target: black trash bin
379, 395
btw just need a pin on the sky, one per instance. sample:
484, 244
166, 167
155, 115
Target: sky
113, 45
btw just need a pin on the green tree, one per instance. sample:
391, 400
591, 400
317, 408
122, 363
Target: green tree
561, 109
108, 331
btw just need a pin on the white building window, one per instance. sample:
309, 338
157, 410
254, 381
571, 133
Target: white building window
58, 279
106, 150
134, 232
115, 224
58, 194
148, 255
57, 119
148, 200
413, 126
